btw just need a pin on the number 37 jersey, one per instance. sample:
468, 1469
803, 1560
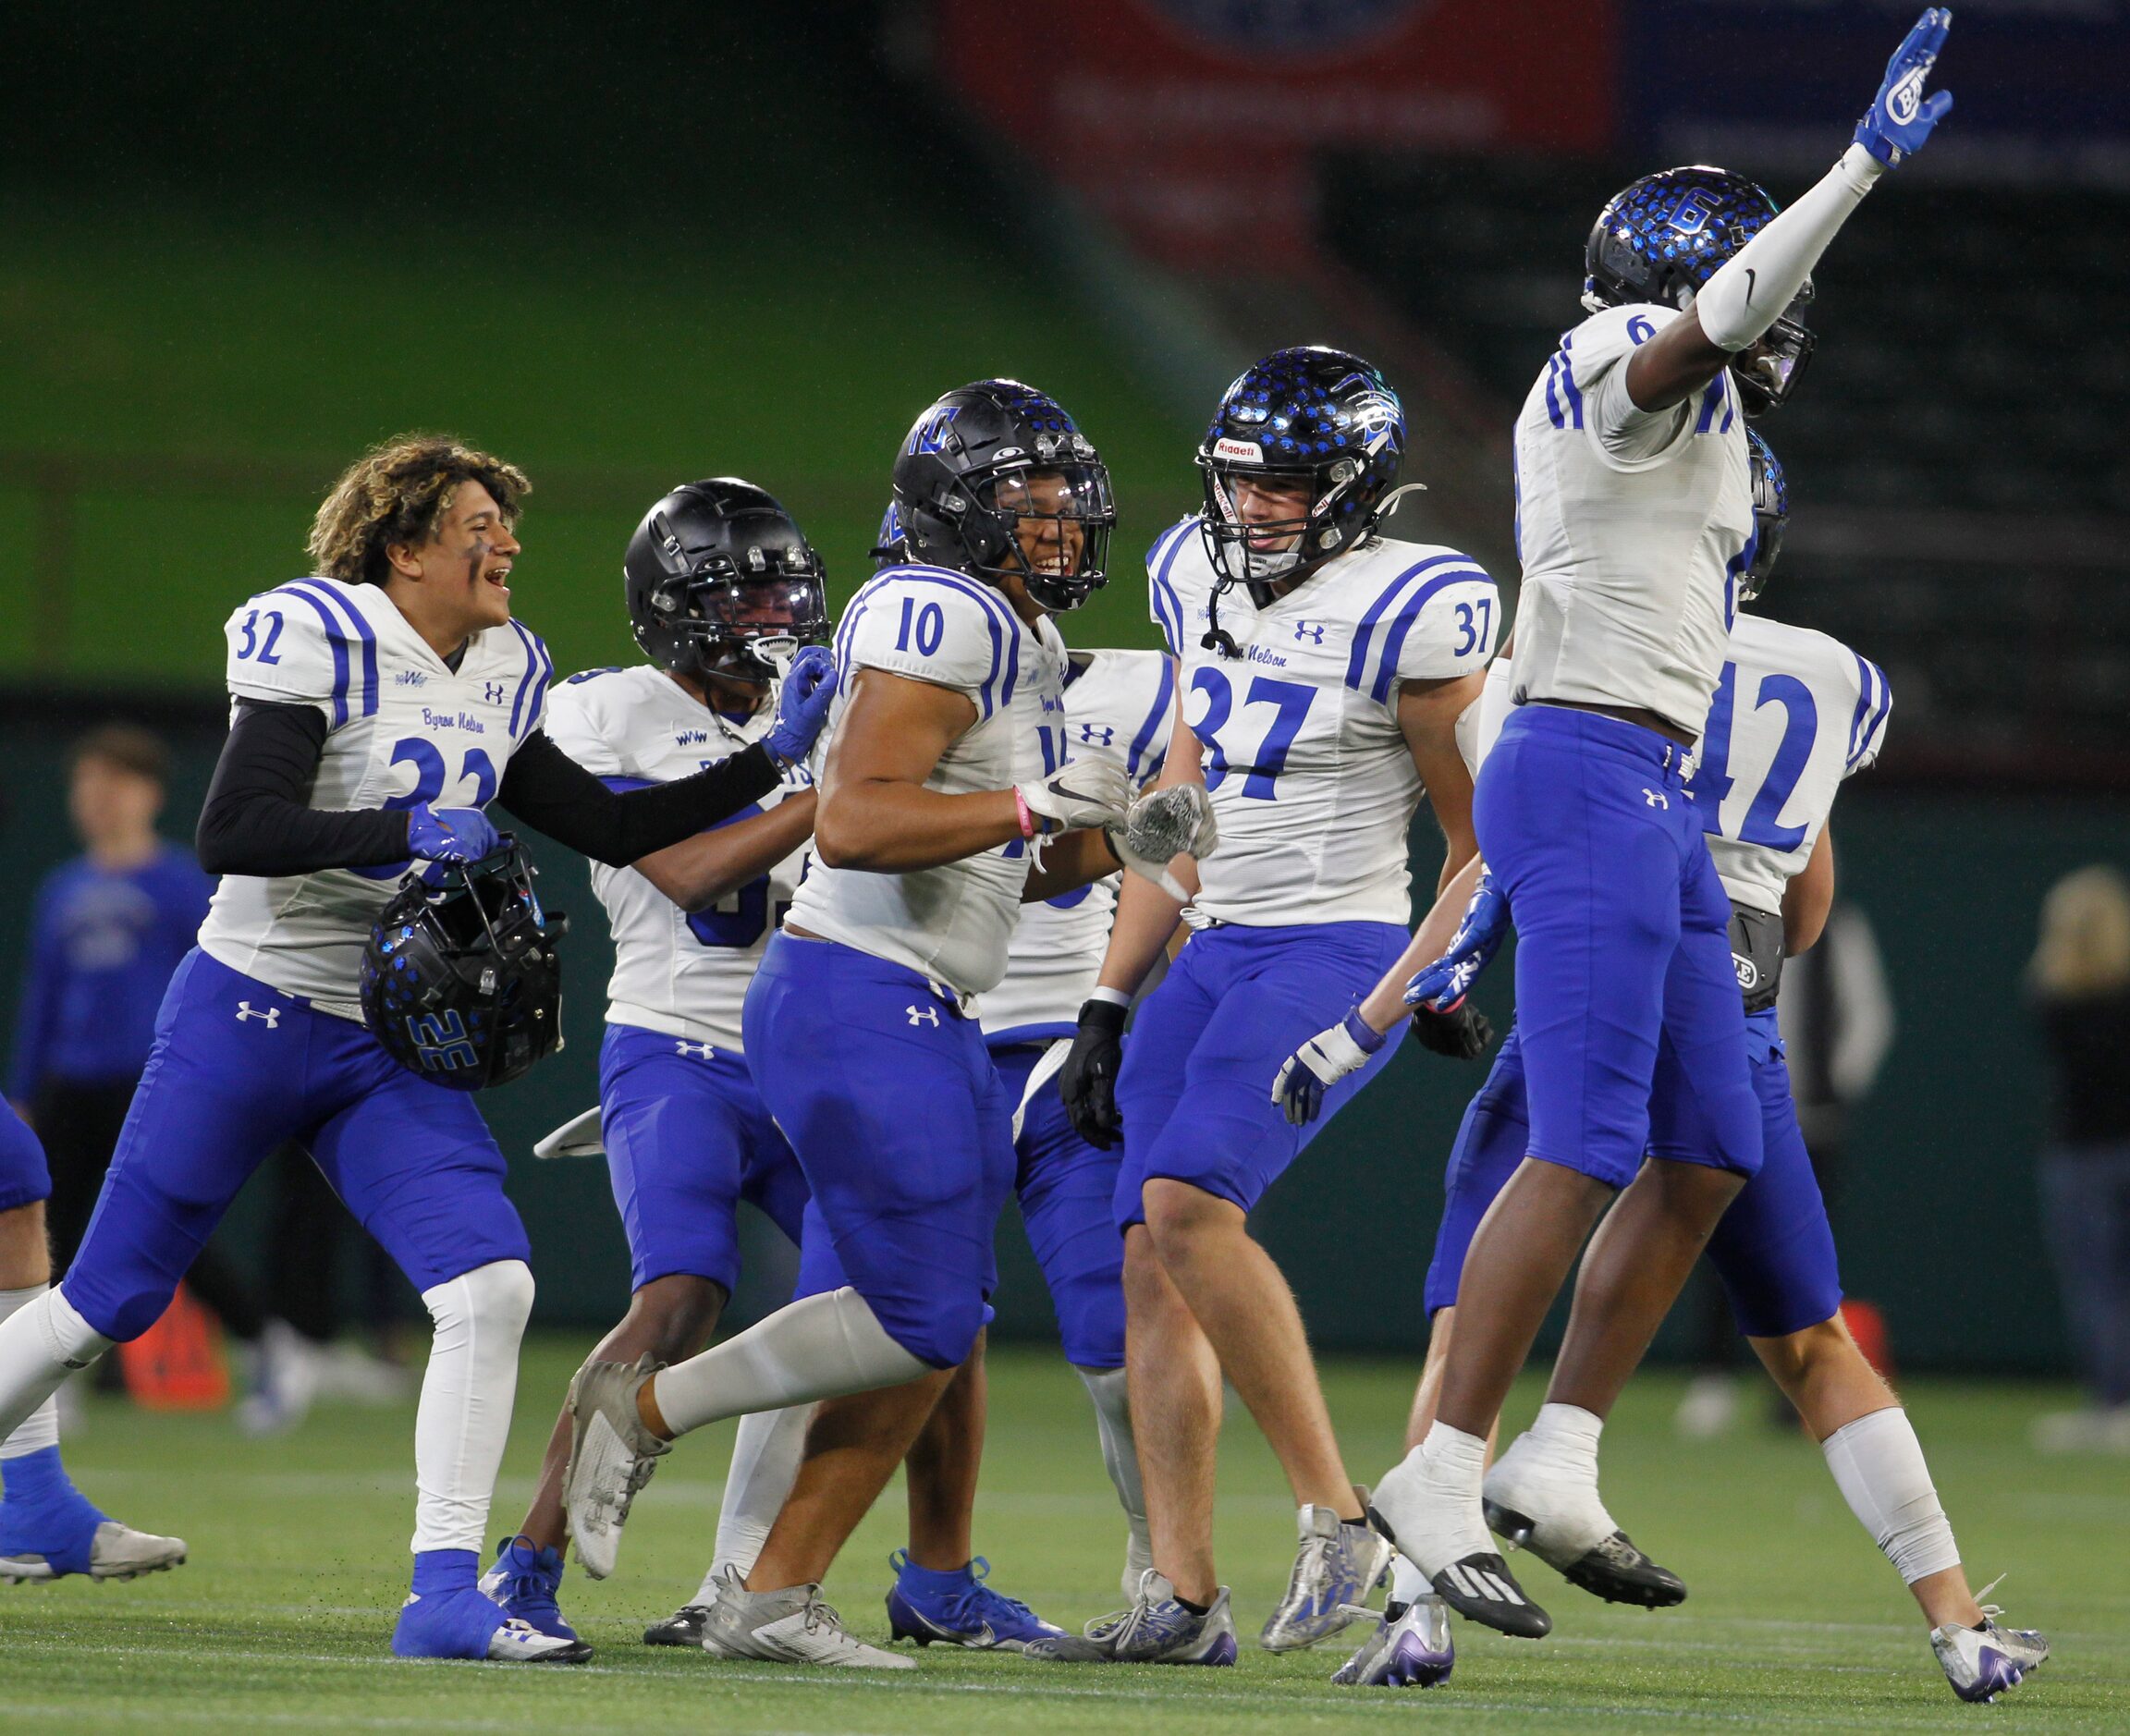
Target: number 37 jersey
402, 729
682, 972
1311, 778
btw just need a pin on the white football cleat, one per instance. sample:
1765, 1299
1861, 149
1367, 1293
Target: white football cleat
1410, 1649
518, 1642
117, 1552
792, 1626
612, 1456
1981, 1663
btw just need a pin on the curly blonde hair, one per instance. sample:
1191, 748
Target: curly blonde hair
2085, 948
398, 493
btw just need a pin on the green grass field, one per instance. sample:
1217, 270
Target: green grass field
283, 1616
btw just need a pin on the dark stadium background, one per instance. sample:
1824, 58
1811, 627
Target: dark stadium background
631, 245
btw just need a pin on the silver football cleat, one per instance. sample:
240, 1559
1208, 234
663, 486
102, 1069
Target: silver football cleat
118, 1552
612, 1456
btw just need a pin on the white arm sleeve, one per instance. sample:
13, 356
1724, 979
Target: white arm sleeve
1748, 295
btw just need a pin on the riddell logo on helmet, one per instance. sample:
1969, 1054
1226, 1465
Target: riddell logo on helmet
1248, 451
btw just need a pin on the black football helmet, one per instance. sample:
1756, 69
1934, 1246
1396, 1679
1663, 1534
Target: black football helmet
1661, 239
462, 980
1770, 515
721, 581
983, 459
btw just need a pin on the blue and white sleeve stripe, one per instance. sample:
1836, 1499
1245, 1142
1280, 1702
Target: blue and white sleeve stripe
334, 616
1150, 746
1168, 607
1874, 701
531, 685
1409, 594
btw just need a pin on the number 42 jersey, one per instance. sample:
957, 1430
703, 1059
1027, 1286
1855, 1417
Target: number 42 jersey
682, 972
403, 728
1312, 781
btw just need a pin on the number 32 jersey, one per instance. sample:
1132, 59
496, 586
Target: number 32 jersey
1311, 778
684, 973
402, 729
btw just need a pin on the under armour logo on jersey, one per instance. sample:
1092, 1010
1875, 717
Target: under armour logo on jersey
494, 691
922, 1015
1656, 799
701, 1051
1309, 630
1098, 735
272, 1015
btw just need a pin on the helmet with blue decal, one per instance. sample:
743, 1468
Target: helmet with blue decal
1327, 425
1770, 514
1661, 239
462, 981
994, 466
721, 582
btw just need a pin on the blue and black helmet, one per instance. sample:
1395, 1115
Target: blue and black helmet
980, 462
1661, 239
462, 981
1770, 514
1322, 418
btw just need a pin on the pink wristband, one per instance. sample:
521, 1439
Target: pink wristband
1030, 825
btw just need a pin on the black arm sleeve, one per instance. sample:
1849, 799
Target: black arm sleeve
258, 819
552, 793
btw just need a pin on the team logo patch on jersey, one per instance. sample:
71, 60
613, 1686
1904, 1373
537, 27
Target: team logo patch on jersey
1242, 451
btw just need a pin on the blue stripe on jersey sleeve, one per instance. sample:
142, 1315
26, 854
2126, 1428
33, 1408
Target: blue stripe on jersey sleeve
1168, 606
540, 684
1150, 731
993, 692
622, 786
337, 640
1869, 741
1866, 692
1394, 640
1713, 398
1357, 660
353, 617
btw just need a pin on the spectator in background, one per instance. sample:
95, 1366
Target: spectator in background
108, 929
2080, 980
1837, 1019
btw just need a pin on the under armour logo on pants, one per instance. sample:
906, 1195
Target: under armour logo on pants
272, 1015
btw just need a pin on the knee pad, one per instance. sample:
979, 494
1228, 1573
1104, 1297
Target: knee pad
944, 1334
493, 1297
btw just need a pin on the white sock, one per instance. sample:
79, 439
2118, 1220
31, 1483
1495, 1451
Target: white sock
1120, 1459
1408, 1583
42, 1340
463, 1418
1878, 1465
1566, 1435
765, 1455
1445, 1523
40, 1428
821, 1346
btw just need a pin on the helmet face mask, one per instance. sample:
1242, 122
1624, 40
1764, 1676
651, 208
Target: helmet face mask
1320, 426
722, 583
1770, 516
1767, 373
991, 471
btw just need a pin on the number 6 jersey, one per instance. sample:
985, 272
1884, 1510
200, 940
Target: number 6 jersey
679, 972
1311, 778
402, 729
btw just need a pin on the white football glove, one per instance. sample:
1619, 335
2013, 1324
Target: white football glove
1320, 1063
1177, 821
1081, 793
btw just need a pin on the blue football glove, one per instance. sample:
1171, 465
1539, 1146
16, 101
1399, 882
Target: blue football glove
1321, 1063
1901, 118
802, 700
1441, 987
449, 834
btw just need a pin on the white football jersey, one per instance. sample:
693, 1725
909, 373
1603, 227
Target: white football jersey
950, 924
685, 974
1796, 713
1118, 706
1312, 781
402, 729
1632, 527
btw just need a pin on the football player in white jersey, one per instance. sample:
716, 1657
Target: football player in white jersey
1117, 706
1634, 520
943, 771
1795, 714
376, 710
1323, 668
723, 589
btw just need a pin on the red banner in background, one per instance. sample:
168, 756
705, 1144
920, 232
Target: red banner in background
1191, 123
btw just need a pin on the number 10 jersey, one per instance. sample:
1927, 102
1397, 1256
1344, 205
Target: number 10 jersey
684, 973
